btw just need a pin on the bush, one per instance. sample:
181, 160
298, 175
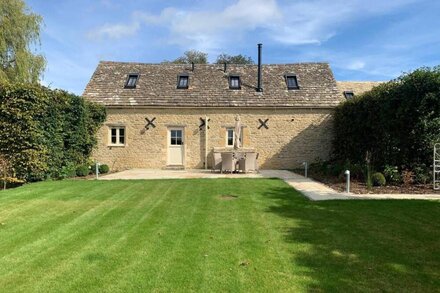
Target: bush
407, 177
335, 169
67, 171
392, 174
378, 179
82, 170
103, 169
422, 175
44, 130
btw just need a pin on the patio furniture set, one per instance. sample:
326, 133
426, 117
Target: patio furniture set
235, 162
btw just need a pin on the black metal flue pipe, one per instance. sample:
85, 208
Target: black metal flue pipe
259, 80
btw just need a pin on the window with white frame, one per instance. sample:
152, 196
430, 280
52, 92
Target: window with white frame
117, 135
230, 137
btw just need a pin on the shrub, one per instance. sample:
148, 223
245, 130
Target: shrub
407, 177
335, 169
356, 171
67, 171
422, 174
378, 179
44, 130
82, 170
392, 174
103, 169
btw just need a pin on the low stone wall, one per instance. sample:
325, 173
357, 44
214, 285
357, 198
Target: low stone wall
294, 136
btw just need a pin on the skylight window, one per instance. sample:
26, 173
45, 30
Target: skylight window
349, 95
292, 82
234, 82
131, 81
182, 81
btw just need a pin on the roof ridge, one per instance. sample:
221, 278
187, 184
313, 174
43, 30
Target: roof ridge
208, 64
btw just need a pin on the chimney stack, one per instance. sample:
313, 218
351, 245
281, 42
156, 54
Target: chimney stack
259, 80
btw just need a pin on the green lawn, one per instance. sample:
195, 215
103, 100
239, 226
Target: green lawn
181, 235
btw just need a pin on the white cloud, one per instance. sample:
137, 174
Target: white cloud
356, 65
296, 23
114, 31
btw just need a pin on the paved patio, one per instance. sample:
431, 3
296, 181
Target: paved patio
310, 188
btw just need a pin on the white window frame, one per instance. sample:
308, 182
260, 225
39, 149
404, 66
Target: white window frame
118, 136
233, 137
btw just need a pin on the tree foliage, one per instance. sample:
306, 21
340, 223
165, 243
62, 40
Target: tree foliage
397, 122
45, 131
19, 34
230, 59
191, 56
198, 57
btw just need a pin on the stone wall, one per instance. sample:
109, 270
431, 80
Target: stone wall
294, 136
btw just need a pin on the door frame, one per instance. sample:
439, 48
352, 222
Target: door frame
168, 144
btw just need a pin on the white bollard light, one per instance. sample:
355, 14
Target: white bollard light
97, 170
347, 173
305, 169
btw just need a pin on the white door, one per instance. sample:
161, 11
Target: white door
175, 146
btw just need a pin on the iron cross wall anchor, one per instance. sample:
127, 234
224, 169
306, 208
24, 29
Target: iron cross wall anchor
263, 123
203, 123
150, 123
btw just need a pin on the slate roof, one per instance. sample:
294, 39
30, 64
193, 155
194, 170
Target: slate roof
209, 86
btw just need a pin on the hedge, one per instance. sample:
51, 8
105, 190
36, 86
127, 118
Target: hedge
44, 131
397, 122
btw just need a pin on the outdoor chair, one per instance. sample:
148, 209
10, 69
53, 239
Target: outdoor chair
217, 162
249, 163
228, 162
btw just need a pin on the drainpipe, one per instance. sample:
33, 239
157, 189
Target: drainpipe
206, 142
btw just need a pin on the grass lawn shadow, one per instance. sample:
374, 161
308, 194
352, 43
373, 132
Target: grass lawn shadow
369, 245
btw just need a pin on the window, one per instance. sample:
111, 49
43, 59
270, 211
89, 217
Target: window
349, 95
292, 82
234, 82
182, 81
176, 137
117, 136
131, 81
230, 136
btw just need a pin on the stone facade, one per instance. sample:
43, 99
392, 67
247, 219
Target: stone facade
357, 87
295, 135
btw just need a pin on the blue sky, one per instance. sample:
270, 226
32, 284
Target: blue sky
362, 40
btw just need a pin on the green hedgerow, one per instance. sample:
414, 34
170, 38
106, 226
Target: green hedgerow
397, 122
45, 131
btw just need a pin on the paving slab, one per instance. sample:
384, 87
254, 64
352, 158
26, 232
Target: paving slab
133, 174
311, 189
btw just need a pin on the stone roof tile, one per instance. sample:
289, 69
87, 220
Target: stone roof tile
209, 86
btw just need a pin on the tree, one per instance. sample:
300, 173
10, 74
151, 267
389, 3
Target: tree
19, 34
191, 56
237, 59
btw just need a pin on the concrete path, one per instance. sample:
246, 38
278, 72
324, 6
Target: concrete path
310, 188
318, 191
